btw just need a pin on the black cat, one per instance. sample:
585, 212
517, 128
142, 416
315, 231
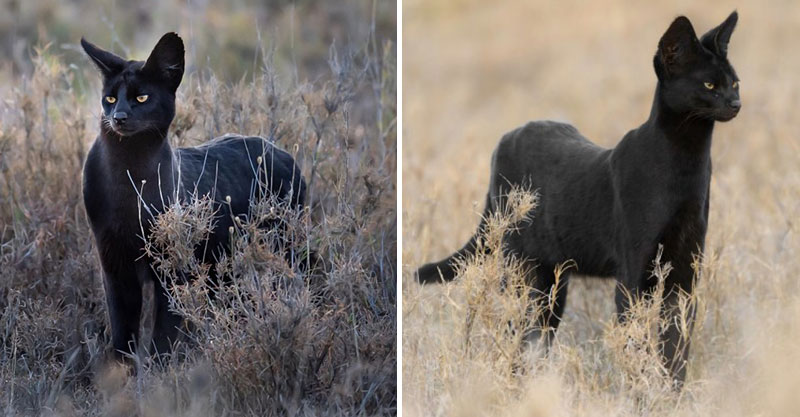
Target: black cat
609, 209
132, 171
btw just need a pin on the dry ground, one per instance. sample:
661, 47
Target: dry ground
475, 70
278, 340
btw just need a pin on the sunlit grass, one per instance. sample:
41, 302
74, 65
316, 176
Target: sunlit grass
485, 70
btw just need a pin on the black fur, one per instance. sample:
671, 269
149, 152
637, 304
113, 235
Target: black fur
132, 156
609, 209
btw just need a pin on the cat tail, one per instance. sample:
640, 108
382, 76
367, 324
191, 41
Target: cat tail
445, 270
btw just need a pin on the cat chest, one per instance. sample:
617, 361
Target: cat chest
120, 215
673, 206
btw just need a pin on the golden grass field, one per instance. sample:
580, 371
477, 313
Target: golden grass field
475, 70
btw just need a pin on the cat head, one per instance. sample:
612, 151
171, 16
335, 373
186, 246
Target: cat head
139, 96
694, 74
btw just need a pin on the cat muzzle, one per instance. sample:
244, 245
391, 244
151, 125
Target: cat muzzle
729, 112
120, 118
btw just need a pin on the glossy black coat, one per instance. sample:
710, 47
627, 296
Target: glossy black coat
610, 209
132, 173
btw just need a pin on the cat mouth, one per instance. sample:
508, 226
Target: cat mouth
122, 129
725, 116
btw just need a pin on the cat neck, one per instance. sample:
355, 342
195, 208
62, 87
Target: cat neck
141, 155
685, 132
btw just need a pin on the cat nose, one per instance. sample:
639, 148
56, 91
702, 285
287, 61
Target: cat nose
120, 117
735, 104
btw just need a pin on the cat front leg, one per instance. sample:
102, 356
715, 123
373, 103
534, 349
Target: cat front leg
633, 278
165, 321
675, 336
677, 328
124, 300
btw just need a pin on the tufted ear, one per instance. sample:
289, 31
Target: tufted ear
108, 63
716, 40
166, 61
677, 48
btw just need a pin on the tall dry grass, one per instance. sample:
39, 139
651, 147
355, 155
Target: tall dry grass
281, 339
486, 69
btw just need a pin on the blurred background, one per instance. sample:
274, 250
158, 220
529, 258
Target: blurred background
474, 70
220, 36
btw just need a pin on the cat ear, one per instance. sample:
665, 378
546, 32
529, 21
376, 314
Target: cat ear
677, 47
166, 60
108, 63
716, 40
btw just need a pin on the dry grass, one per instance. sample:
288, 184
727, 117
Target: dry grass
487, 69
279, 340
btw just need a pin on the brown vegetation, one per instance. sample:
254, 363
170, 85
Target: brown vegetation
277, 340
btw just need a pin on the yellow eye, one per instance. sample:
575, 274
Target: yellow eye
709, 86
142, 98
111, 100
735, 84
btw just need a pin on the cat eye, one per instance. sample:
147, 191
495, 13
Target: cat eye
709, 86
735, 84
142, 98
111, 100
